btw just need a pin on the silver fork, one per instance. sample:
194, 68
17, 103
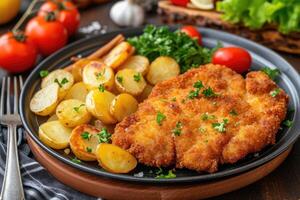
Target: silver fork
12, 188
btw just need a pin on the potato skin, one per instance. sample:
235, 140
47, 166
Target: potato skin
122, 106
137, 63
114, 159
72, 112
77, 91
79, 145
45, 100
78, 66
54, 134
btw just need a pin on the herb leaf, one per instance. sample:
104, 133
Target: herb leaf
166, 176
86, 135
104, 136
76, 160
78, 107
63, 81
287, 123
44, 73
206, 116
209, 92
101, 88
177, 130
275, 92
220, 126
160, 117
137, 77
88, 149
272, 73
120, 79
233, 112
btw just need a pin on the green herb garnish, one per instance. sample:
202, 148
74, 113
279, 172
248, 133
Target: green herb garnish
209, 92
160, 117
272, 73
177, 130
275, 92
101, 88
195, 93
88, 149
137, 77
220, 126
288, 123
206, 116
120, 79
104, 136
63, 81
166, 176
233, 112
76, 160
78, 107
44, 73
86, 135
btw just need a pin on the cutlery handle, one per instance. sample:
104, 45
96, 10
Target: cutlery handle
12, 188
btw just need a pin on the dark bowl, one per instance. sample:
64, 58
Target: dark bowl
289, 80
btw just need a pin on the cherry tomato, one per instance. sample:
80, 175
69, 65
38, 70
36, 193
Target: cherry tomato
236, 58
180, 2
17, 52
66, 12
192, 32
48, 34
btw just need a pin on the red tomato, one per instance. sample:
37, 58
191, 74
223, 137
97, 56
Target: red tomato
17, 52
235, 58
48, 34
66, 13
180, 2
192, 32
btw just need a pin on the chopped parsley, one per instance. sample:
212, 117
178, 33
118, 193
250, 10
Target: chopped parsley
206, 116
101, 88
287, 123
63, 81
233, 112
86, 135
120, 79
275, 92
88, 149
220, 126
137, 77
76, 160
177, 130
78, 107
44, 73
195, 93
272, 73
198, 84
160, 117
166, 176
104, 136
209, 92
173, 99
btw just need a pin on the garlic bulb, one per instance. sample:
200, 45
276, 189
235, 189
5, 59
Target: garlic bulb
127, 13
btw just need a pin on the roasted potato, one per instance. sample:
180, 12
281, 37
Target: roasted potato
52, 118
61, 77
98, 104
129, 81
45, 100
146, 92
77, 91
97, 73
137, 63
72, 112
84, 141
122, 106
78, 66
118, 55
55, 135
115, 159
162, 68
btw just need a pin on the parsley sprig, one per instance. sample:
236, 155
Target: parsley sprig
220, 126
137, 77
272, 73
104, 136
62, 82
44, 73
178, 128
162, 175
275, 92
86, 135
78, 107
160, 117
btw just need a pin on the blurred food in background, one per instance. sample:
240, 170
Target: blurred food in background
8, 10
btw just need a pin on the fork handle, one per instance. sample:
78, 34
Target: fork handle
12, 188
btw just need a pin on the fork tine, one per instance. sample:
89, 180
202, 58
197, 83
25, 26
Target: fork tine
16, 95
21, 82
8, 96
2, 96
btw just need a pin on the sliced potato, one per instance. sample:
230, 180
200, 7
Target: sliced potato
61, 77
130, 81
55, 135
72, 112
52, 118
84, 141
146, 92
115, 159
98, 104
122, 106
77, 91
45, 100
96, 73
118, 55
78, 66
137, 63
162, 68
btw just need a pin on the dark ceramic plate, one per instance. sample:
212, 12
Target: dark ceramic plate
289, 80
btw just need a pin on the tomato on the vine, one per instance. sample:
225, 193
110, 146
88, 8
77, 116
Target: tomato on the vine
236, 58
66, 12
48, 34
180, 2
192, 32
17, 52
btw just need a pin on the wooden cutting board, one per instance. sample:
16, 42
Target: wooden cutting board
113, 189
267, 36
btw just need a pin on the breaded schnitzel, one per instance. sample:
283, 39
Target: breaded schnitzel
203, 118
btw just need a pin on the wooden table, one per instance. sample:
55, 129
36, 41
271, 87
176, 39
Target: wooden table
283, 183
